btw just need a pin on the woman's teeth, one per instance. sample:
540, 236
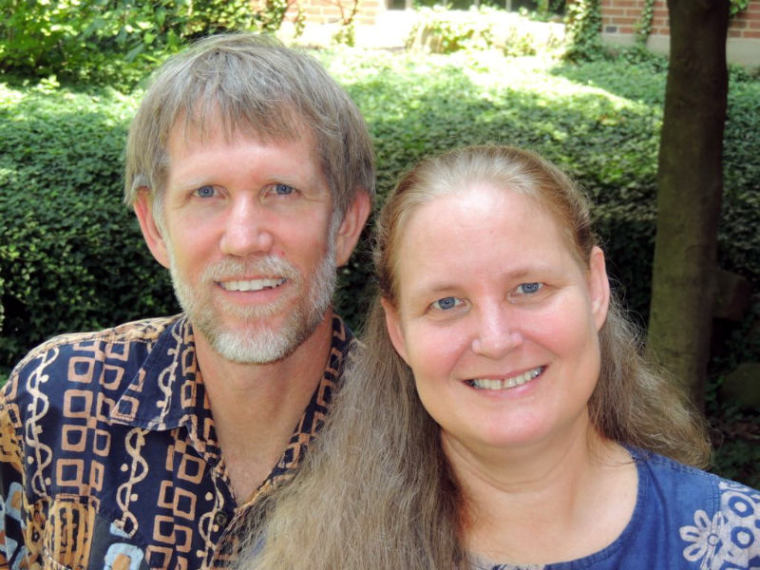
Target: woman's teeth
495, 384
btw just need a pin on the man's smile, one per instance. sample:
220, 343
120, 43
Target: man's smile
252, 284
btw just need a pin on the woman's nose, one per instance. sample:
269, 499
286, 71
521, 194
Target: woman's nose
497, 333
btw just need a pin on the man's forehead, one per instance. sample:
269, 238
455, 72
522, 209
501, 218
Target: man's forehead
202, 126
211, 125
196, 132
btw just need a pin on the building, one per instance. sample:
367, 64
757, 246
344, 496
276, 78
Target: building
621, 17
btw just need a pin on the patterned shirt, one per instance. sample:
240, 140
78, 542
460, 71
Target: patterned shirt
109, 456
684, 519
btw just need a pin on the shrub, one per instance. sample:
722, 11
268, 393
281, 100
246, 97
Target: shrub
417, 106
584, 30
114, 42
439, 30
737, 7
71, 256
599, 121
61, 153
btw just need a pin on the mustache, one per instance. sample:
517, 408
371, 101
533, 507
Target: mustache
267, 266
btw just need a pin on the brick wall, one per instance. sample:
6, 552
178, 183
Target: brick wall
620, 19
747, 24
621, 16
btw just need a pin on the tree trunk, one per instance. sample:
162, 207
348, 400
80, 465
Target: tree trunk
689, 189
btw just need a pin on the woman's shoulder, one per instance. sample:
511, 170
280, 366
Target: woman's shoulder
699, 485
714, 519
684, 518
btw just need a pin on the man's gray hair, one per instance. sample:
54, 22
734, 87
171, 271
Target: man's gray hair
255, 85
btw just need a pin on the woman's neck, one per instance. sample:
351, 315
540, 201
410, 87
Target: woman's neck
545, 503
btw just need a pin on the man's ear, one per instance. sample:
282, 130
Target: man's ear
150, 229
599, 287
393, 324
351, 227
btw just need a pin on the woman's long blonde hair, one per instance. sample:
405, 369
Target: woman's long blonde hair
376, 490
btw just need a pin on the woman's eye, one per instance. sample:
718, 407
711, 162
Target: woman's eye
446, 303
205, 192
529, 288
283, 189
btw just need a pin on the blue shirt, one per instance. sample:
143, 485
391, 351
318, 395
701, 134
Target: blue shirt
684, 518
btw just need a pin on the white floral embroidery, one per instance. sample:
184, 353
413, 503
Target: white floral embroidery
731, 538
704, 536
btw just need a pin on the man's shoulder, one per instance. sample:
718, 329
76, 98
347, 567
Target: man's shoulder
79, 356
143, 330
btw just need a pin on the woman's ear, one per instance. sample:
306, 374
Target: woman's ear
395, 331
599, 286
151, 231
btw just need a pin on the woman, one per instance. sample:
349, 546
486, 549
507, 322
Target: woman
501, 415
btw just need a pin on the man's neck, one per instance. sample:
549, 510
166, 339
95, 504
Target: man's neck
256, 406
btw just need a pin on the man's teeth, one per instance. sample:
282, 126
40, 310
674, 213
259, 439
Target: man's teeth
494, 384
252, 284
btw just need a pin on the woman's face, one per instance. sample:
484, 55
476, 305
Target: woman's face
497, 319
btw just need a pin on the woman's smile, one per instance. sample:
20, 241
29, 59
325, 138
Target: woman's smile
505, 383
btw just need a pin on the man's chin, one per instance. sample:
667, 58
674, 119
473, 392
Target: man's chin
253, 347
254, 344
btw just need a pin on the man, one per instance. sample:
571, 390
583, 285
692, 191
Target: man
145, 446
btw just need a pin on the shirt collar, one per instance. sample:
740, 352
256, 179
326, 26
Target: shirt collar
167, 389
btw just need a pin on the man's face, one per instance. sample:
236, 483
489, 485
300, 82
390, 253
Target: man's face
248, 232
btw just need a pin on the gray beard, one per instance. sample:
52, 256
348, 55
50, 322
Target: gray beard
260, 343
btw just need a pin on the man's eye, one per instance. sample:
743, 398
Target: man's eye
529, 288
205, 192
283, 189
446, 303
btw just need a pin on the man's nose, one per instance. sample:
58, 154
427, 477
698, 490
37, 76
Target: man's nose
247, 229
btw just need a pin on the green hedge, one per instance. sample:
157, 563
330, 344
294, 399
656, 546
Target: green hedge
606, 141
112, 42
71, 256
